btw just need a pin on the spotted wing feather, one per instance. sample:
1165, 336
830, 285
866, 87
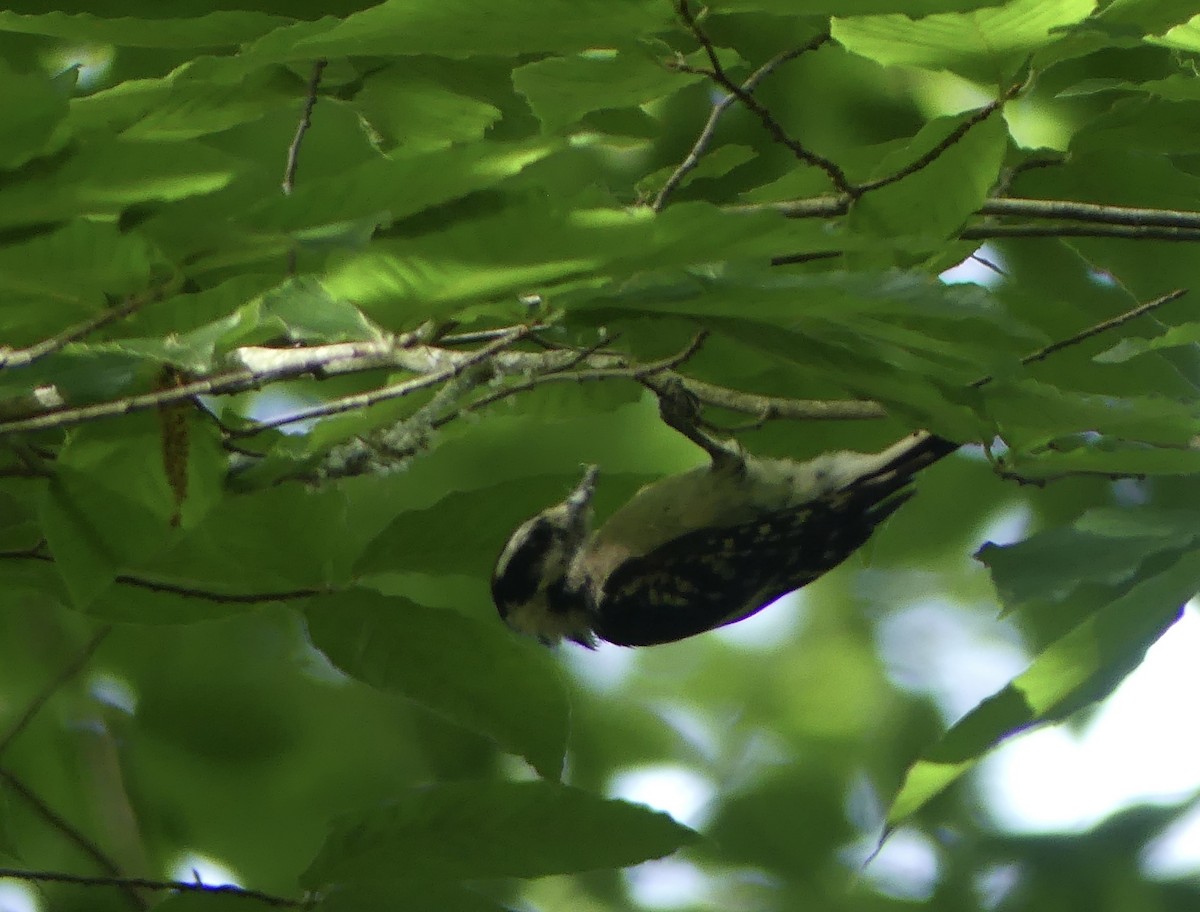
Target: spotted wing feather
712, 577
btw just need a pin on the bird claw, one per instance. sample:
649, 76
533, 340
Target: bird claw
680, 409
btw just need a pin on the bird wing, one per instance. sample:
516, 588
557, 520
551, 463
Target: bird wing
715, 576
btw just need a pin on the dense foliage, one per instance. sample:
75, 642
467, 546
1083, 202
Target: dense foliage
307, 305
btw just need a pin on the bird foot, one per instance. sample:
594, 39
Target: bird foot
680, 410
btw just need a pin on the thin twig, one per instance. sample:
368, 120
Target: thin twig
718, 75
23, 357
293, 153
486, 335
1123, 232
946, 144
1001, 232
770, 407
63, 826
227, 598
1009, 207
813, 207
710, 127
394, 391
69, 671
271, 365
1070, 210
140, 883
1094, 330
636, 372
987, 264
809, 256
233, 598
1141, 310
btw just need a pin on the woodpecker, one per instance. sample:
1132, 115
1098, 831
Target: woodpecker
701, 549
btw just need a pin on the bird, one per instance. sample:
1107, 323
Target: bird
700, 549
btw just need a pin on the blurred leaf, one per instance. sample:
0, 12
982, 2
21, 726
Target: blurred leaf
477, 675
472, 830
214, 28
33, 108
987, 44
412, 897
562, 89
1187, 334
1083, 666
934, 201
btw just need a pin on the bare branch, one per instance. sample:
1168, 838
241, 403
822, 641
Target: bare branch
1141, 310
231, 598
63, 826
140, 883
946, 144
769, 407
22, 357
1009, 207
293, 153
394, 391
208, 595
816, 207
1122, 232
710, 128
68, 672
808, 256
718, 75
1069, 210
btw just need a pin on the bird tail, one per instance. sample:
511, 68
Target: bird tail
886, 487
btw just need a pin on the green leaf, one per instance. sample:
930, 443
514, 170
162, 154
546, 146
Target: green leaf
1026, 411
717, 163
308, 313
212, 902
933, 202
562, 89
477, 675
70, 269
401, 186
1108, 457
217, 28
404, 109
1079, 668
849, 7
32, 109
1185, 36
1053, 564
421, 896
454, 28
988, 44
113, 174
472, 830
110, 505
1174, 337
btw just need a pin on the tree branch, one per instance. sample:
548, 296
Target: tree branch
1008, 207
293, 152
710, 128
140, 883
23, 357
270, 365
1121, 232
63, 826
394, 391
1070, 210
71, 669
718, 75
1141, 310
942, 147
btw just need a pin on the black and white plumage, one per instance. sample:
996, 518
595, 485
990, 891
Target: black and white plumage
701, 549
